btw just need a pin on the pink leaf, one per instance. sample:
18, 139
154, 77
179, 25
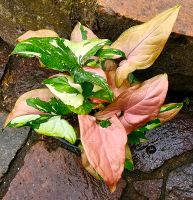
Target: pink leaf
76, 35
139, 104
104, 147
111, 81
21, 108
38, 33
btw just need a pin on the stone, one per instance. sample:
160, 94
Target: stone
165, 142
57, 175
179, 183
150, 189
143, 10
19, 16
11, 140
5, 50
23, 74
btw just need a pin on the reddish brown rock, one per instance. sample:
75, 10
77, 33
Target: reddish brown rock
150, 189
143, 10
56, 175
23, 74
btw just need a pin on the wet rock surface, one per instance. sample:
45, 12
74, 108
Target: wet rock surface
56, 175
18, 16
11, 140
23, 75
150, 189
180, 183
171, 139
5, 50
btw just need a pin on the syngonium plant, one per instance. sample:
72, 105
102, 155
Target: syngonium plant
114, 109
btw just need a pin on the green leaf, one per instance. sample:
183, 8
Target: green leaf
84, 109
105, 123
57, 127
110, 53
129, 165
52, 52
28, 120
54, 106
62, 84
136, 137
85, 49
46, 125
81, 76
87, 89
83, 32
132, 79
93, 62
173, 106
61, 89
128, 159
101, 94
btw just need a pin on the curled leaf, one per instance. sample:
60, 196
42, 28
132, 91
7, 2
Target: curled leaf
139, 104
81, 32
38, 33
169, 111
104, 147
21, 108
142, 44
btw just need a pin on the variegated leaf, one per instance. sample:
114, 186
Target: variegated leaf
21, 108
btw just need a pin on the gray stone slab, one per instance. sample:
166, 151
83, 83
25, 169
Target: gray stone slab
150, 189
165, 142
11, 140
180, 183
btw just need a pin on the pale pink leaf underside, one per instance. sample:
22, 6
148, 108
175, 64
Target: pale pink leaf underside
104, 147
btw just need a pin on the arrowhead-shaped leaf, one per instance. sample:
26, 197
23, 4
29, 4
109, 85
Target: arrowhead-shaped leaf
85, 49
142, 44
53, 52
139, 104
21, 108
46, 125
104, 147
